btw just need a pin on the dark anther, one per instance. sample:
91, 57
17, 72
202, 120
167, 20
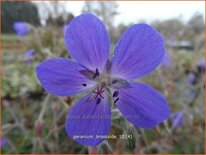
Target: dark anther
98, 101
116, 100
114, 81
84, 84
115, 94
94, 76
96, 73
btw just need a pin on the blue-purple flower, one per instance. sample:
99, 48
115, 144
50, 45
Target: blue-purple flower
137, 53
177, 119
21, 28
2, 142
29, 55
201, 65
191, 79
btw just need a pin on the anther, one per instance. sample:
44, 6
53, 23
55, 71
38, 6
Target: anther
84, 84
98, 101
116, 100
96, 73
115, 94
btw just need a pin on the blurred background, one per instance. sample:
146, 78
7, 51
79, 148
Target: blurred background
33, 121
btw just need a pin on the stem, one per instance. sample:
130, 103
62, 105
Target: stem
20, 124
108, 146
92, 150
44, 107
64, 103
142, 136
40, 118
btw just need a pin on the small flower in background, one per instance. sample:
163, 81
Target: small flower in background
21, 28
177, 119
167, 61
191, 79
2, 142
138, 52
201, 66
29, 55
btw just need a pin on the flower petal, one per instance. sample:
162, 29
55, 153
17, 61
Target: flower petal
62, 77
88, 119
87, 40
142, 105
138, 52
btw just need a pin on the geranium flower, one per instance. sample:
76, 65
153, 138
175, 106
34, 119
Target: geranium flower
29, 55
191, 79
177, 119
138, 52
201, 65
21, 28
2, 142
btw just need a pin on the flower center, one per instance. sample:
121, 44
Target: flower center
104, 83
99, 91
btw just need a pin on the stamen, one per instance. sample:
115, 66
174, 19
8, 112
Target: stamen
115, 94
120, 83
116, 100
98, 101
96, 73
84, 84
